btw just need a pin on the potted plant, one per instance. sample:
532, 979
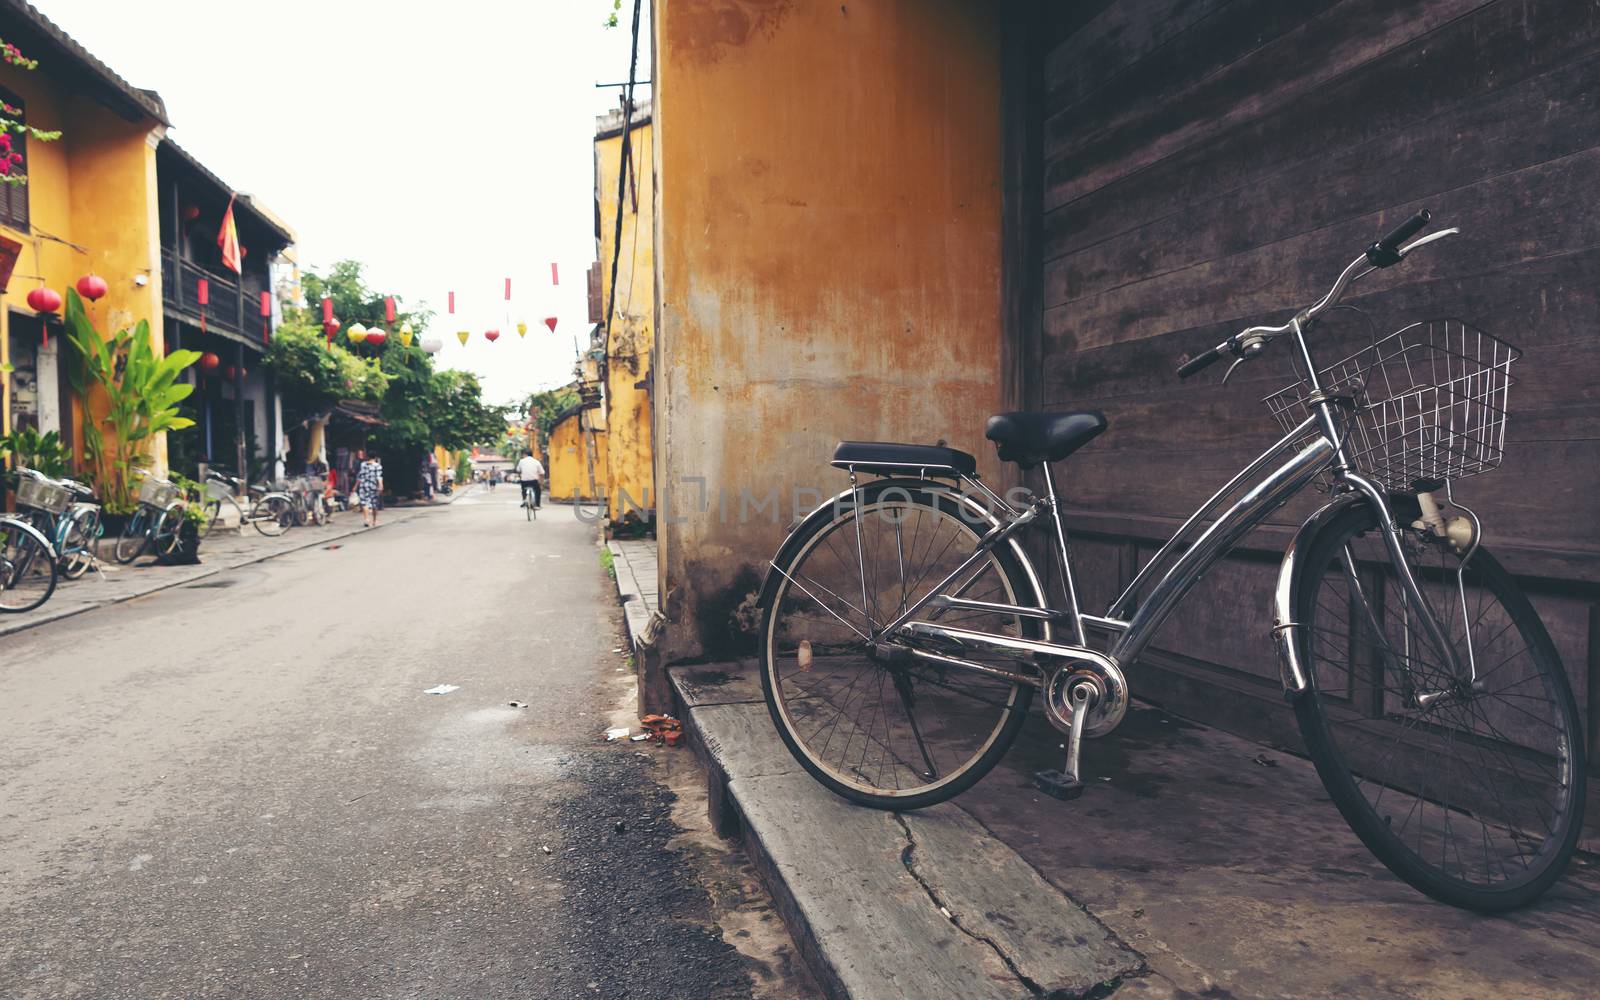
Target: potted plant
130, 395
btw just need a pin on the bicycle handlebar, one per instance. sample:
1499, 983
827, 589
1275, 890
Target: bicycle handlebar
1249, 342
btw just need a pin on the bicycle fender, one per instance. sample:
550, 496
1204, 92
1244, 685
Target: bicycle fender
49, 546
843, 499
1286, 595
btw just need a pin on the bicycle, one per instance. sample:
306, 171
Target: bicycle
905, 629
530, 502
154, 524
28, 568
65, 512
270, 511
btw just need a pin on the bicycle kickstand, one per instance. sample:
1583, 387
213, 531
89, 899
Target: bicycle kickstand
1067, 784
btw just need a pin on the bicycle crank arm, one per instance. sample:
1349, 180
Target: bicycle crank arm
1067, 783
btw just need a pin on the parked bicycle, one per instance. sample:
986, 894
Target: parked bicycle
271, 512
28, 569
155, 524
905, 629
66, 512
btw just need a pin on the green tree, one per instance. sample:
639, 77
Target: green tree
547, 405
313, 375
421, 406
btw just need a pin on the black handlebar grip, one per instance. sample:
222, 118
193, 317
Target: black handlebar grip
1386, 252
1405, 230
1199, 363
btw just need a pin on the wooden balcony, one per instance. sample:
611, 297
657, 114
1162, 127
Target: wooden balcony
235, 301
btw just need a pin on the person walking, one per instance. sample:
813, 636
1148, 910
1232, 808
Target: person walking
369, 486
531, 471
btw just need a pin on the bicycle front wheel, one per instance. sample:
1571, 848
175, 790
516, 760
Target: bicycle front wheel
27, 572
1466, 781
868, 721
272, 516
77, 543
213, 512
135, 536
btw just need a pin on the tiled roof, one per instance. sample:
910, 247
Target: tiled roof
146, 102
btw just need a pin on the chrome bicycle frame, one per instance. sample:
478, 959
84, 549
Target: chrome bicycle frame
1208, 534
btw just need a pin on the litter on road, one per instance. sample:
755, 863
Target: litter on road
619, 733
443, 689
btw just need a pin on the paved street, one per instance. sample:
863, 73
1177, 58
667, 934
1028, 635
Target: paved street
238, 787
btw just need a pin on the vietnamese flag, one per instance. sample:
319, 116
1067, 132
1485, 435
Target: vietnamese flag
228, 240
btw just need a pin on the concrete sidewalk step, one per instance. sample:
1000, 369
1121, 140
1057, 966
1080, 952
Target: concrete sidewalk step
920, 904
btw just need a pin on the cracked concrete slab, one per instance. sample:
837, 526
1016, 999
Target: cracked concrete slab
890, 905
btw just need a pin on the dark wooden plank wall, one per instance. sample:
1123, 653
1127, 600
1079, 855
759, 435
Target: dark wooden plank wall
1208, 164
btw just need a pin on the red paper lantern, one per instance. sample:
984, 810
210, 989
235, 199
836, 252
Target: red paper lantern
492, 335
191, 213
202, 292
209, 361
230, 373
92, 287
550, 321
376, 336
332, 326
388, 308
45, 300
327, 311
266, 305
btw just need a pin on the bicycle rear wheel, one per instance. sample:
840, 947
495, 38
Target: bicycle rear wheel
135, 536
27, 571
890, 731
1470, 788
272, 516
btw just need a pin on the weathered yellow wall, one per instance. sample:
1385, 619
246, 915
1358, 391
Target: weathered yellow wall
828, 264
630, 462
568, 464
96, 188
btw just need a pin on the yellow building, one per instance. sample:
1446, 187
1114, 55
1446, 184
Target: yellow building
89, 206
626, 336
577, 459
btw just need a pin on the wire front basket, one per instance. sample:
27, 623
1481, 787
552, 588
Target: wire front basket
42, 494
1429, 404
157, 492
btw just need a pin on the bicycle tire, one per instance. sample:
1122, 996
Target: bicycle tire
849, 779
213, 512
135, 536
77, 554
27, 572
1350, 770
271, 516
166, 535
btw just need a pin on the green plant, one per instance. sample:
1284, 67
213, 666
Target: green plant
11, 123
608, 561
318, 374
140, 391
194, 510
464, 470
42, 452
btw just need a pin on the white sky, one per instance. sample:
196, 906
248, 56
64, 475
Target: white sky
446, 145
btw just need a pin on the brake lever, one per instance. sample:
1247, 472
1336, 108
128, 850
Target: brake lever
1237, 362
1424, 241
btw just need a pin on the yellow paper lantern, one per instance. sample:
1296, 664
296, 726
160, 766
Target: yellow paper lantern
358, 333
405, 334
462, 336
522, 328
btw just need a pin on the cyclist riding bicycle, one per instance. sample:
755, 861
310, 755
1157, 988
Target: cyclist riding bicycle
531, 471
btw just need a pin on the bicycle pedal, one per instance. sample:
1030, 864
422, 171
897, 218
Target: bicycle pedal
1058, 785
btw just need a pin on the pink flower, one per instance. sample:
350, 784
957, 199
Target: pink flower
16, 157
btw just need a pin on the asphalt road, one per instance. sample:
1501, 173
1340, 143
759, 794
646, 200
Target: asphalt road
240, 789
